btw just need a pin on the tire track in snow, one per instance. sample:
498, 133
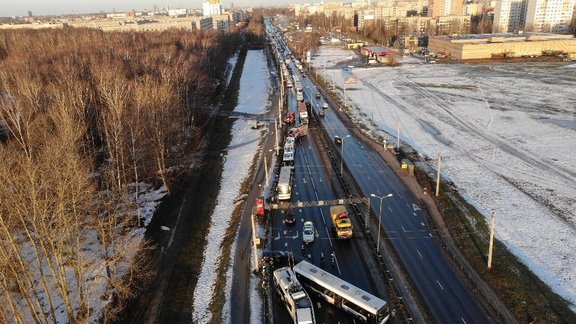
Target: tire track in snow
567, 176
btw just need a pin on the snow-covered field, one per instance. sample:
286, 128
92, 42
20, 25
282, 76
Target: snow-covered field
253, 98
507, 135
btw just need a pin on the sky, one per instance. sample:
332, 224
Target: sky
55, 7
10, 8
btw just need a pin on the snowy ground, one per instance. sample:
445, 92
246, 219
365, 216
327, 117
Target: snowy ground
253, 98
507, 135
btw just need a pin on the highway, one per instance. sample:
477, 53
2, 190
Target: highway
402, 223
446, 297
312, 182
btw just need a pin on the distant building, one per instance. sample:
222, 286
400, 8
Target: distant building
549, 16
487, 46
221, 22
237, 16
177, 12
509, 16
377, 54
533, 15
439, 8
116, 15
212, 8
202, 23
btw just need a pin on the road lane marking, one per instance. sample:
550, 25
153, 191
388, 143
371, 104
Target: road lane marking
463, 321
328, 235
438, 282
419, 254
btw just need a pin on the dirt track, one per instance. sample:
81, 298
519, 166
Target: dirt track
178, 254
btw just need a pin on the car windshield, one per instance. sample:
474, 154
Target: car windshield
308, 231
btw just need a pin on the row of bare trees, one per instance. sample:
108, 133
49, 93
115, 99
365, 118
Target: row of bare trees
90, 115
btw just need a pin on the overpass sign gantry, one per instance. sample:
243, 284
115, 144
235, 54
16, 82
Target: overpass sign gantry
320, 203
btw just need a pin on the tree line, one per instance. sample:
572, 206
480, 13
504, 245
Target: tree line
89, 116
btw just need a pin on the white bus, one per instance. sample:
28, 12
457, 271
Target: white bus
288, 157
284, 187
294, 296
342, 294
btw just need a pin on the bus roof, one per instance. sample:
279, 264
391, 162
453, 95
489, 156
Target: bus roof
348, 291
285, 173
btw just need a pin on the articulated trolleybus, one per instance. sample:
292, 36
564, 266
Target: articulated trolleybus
284, 187
294, 296
342, 294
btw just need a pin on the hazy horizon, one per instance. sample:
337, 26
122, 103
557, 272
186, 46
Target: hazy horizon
59, 7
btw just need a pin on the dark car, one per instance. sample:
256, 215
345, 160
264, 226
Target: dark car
337, 139
321, 113
289, 217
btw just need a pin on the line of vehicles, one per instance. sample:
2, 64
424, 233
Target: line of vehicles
339, 217
294, 284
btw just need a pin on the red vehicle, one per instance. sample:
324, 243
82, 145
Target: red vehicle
260, 208
290, 118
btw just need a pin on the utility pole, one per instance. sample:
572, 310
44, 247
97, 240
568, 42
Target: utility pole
276, 136
333, 82
265, 172
398, 135
254, 246
491, 247
345, 98
438, 174
367, 217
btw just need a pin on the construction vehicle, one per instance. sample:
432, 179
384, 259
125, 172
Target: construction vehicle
341, 221
299, 131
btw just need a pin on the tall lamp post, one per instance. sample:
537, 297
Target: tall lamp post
342, 157
380, 218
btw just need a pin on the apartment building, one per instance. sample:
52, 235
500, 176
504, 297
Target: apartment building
440, 8
212, 8
550, 16
202, 23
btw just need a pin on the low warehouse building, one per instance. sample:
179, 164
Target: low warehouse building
484, 46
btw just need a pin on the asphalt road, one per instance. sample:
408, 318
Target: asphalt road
312, 181
403, 224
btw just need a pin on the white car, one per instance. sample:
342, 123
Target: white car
308, 232
324, 106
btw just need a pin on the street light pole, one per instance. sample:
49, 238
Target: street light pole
380, 218
342, 157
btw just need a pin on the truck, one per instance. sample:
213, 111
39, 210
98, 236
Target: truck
341, 221
303, 112
299, 131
